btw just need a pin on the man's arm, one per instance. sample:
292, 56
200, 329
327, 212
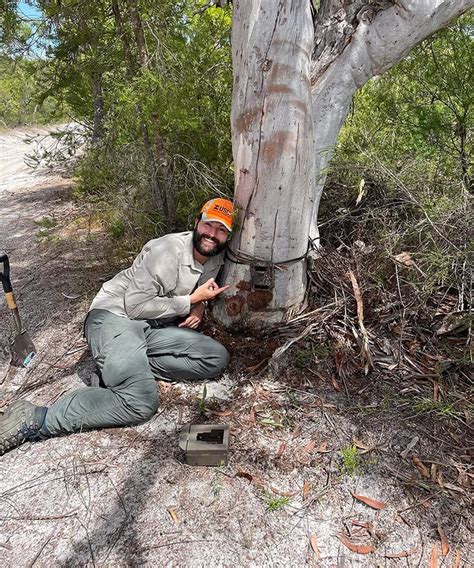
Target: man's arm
146, 295
195, 317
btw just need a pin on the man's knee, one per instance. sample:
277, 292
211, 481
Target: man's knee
223, 356
122, 367
140, 399
219, 359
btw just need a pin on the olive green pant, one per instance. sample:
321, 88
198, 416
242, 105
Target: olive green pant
131, 354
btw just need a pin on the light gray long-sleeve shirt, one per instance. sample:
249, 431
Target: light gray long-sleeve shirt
160, 281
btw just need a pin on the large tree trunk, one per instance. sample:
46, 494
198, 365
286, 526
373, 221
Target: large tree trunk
279, 99
272, 140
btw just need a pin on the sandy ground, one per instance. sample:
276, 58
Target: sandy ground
124, 497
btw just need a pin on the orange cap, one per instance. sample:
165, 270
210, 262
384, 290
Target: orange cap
220, 210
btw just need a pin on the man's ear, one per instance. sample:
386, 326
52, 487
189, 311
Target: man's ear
198, 218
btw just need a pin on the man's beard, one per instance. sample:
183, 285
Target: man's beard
197, 238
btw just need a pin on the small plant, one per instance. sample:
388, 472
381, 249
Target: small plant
117, 229
441, 408
46, 224
202, 400
217, 480
349, 460
321, 352
275, 502
302, 358
273, 418
387, 401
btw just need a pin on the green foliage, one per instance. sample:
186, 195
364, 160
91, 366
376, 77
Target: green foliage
441, 408
350, 460
422, 109
9, 24
21, 100
303, 358
274, 502
157, 116
217, 480
273, 418
402, 173
117, 229
46, 228
47, 222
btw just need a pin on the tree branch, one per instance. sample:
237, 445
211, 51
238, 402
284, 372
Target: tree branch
377, 35
395, 31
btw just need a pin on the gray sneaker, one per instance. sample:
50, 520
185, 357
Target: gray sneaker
21, 422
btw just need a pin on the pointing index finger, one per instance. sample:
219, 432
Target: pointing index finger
219, 290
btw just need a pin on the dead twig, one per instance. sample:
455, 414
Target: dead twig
366, 356
42, 547
309, 314
174, 544
38, 517
418, 503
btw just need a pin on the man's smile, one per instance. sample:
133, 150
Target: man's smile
209, 240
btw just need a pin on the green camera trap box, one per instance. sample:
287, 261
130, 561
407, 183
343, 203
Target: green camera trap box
205, 444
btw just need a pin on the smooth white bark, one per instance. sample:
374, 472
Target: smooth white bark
272, 138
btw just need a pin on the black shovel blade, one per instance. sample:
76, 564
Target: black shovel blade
22, 350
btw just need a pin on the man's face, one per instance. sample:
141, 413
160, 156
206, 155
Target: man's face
209, 237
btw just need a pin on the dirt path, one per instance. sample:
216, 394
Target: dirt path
123, 497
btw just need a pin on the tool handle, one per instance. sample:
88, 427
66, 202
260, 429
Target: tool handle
5, 274
7, 288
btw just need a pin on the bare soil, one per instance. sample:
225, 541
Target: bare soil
302, 442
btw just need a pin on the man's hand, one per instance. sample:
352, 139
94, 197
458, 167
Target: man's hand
207, 291
195, 316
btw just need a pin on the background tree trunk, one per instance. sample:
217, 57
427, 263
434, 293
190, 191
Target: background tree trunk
98, 101
156, 156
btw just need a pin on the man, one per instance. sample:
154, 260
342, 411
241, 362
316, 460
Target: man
141, 326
